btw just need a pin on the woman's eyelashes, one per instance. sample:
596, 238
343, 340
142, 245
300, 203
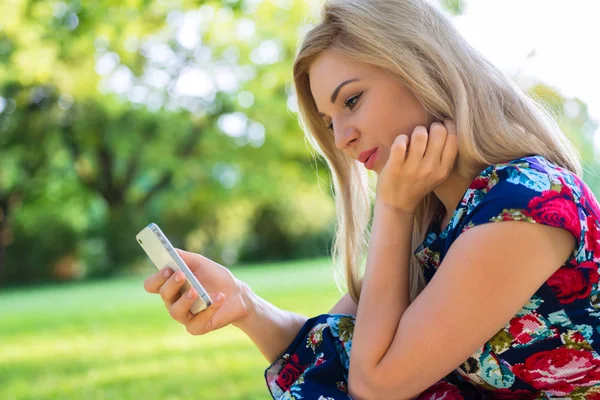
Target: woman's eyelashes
350, 104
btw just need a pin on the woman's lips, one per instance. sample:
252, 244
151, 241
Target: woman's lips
362, 157
371, 160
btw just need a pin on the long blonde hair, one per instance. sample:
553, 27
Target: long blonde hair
416, 43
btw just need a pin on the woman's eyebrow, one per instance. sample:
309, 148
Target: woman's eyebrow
340, 86
337, 91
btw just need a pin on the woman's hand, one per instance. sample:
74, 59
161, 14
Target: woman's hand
410, 175
225, 291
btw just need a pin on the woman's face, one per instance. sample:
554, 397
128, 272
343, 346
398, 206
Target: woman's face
364, 106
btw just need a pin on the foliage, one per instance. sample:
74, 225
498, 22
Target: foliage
118, 114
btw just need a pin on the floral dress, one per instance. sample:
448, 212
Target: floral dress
549, 350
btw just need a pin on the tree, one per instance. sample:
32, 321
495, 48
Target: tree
162, 113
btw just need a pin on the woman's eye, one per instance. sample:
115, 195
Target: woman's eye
351, 102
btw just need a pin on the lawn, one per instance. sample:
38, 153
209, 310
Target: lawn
112, 340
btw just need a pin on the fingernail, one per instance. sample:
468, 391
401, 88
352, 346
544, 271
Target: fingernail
219, 297
190, 294
178, 278
167, 273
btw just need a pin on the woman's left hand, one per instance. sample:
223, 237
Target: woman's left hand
410, 175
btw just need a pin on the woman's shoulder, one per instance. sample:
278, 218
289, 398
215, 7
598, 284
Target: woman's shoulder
531, 189
532, 174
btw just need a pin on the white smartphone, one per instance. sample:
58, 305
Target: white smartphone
163, 255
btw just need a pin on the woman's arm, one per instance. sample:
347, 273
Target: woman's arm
384, 295
272, 329
345, 306
407, 177
475, 292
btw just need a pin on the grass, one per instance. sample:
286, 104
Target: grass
112, 340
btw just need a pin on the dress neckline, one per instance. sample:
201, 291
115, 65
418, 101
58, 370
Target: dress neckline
434, 231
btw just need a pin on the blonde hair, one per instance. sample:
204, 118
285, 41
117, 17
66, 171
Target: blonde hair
416, 43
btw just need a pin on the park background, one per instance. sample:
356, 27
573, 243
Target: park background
114, 114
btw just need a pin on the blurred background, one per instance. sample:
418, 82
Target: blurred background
114, 114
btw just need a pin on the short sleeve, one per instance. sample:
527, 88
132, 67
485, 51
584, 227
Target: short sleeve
532, 191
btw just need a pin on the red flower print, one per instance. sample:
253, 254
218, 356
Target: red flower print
572, 283
522, 327
508, 394
441, 390
559, 371
430, 257
555, 209
588, 199
290, 373
592, 396
481, 182
320, 360
578, 337
592, 237
341, 385
566, 187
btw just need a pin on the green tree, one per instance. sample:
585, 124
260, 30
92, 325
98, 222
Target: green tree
162, 113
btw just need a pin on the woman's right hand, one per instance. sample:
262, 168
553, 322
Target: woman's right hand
227, 294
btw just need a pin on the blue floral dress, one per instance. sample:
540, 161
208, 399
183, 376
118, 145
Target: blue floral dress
550, 349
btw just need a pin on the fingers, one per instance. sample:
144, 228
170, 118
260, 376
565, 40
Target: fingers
451, 146
169, 291
210, 319
418, 144
435, 143
439, 146
180, 309
153, 283
399, 149
202, 322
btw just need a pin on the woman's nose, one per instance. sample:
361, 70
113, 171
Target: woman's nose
345, 137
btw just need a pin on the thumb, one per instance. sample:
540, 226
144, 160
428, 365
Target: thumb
209, 319
219, 318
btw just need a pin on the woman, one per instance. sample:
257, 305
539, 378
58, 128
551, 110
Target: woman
483, 309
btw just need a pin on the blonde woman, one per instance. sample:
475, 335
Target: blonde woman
483, 246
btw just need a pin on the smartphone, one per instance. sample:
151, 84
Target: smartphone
163, 255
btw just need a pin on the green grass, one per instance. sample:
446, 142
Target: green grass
112, 340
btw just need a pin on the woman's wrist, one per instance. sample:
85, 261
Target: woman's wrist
390, 209
249, 299
270, 328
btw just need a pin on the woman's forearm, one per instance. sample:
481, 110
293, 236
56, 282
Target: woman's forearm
270, 328
384, 294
